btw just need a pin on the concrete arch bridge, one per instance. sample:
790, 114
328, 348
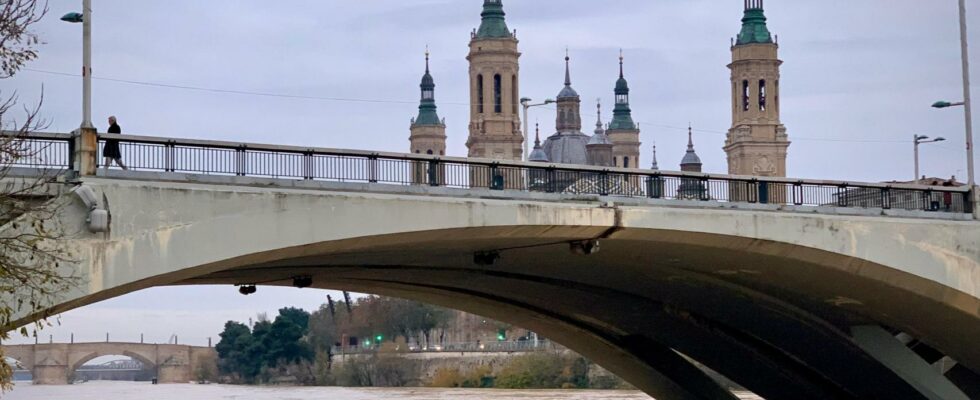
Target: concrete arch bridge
791, 301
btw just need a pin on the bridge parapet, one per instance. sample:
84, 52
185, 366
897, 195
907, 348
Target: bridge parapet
220, 158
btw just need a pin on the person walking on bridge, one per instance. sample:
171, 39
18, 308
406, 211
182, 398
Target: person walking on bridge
111, 149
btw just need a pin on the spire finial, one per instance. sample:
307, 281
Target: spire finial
655, 166
598, 112
427, 58
620, 63
690, 137
568, 75
537, 134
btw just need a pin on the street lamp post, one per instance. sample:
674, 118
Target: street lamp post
920, 139
525, 102
966, 103
85, 17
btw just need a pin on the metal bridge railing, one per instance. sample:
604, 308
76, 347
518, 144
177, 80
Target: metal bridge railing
522, 346
300, 163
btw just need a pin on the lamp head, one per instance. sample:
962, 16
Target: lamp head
942, 104
525, 100
73, 17
549, 101
940, 139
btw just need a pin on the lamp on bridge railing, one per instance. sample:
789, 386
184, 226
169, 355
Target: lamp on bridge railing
920, 139
966, 103
85, 18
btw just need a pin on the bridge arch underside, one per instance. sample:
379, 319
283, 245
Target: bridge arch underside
775, 318
78, 358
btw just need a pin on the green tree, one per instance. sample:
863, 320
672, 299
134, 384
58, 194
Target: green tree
233, 350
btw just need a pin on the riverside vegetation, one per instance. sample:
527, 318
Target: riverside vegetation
296, 348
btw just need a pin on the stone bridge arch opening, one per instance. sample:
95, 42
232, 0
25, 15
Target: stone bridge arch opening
100, 365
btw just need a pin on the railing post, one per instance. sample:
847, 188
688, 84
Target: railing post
240, 160
551, 179
85, 151
604, 183
842, 195
372, 162
168, 157
798, 193
307, 170
704, 190
433, 172
973, 198
763, 192
655, 186
496, 179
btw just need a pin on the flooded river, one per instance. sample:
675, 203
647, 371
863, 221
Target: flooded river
146, 391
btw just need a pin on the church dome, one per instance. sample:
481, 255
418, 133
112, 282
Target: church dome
567, 148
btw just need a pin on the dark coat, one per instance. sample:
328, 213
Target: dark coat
111, 148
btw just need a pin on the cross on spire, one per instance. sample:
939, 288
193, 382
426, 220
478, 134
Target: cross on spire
620, 63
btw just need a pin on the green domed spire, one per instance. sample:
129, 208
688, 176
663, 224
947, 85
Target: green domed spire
494, 26
754, 28
622, 115
427, 106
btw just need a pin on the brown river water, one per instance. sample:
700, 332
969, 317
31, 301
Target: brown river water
99, 390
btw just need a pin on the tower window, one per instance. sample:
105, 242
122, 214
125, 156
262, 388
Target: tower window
626, 162
497, 106
479, 94
427, 94
429, 152
762, 95
745, 95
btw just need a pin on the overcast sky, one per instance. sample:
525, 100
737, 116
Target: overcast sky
858, 79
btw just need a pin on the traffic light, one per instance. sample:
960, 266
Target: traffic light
379, 338
501, 335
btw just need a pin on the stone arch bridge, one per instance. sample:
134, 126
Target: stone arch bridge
53, 364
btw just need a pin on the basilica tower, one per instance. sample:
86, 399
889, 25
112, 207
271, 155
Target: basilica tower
622, 131
428, 132
757, 142
495, 125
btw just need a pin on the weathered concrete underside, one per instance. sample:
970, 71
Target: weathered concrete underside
789, 305
54, 364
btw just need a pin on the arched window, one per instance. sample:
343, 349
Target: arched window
762, 95
441, 153
498, 107
479, 94
429, 152
561, 118
417, 152
626, 162
745, 95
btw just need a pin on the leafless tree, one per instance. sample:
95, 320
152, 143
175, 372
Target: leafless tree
32, 255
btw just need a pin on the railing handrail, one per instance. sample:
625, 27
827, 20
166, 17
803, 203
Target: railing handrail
304, 150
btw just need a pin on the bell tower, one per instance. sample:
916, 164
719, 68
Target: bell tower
495, 124
624, 133
428, 132
757, 142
